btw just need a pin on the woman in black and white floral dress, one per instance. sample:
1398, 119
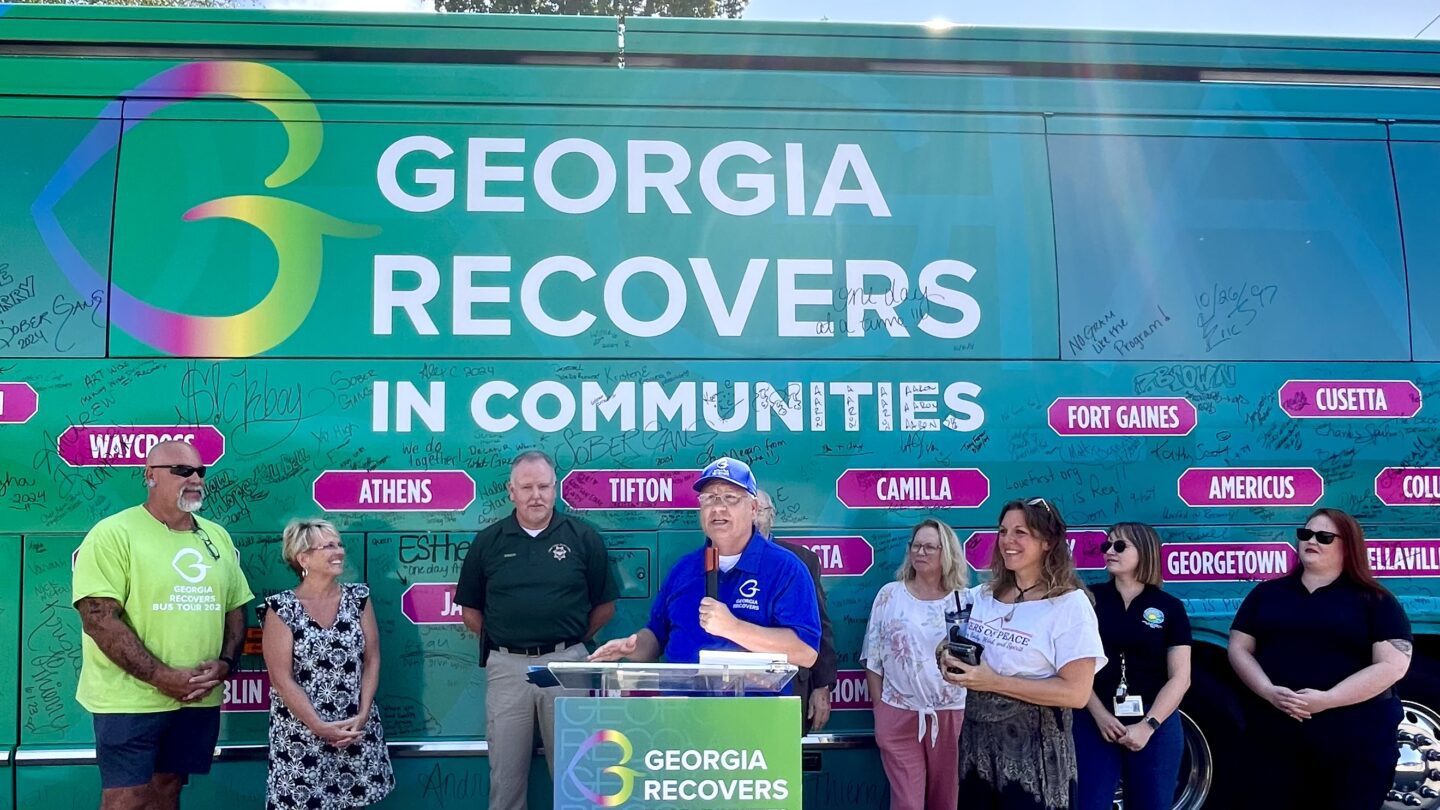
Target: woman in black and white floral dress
327, 750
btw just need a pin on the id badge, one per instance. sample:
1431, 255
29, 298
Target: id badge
1132, 706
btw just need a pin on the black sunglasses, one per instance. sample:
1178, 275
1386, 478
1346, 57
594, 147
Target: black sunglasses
181, 470
1323, 538
1118, 545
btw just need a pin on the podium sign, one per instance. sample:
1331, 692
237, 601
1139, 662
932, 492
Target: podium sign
677, 753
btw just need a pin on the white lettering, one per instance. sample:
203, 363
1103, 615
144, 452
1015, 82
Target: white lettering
545, 176
481, 174
441, 180
388, 299
762, 184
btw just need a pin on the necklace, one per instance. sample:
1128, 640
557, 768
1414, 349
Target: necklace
1019, 597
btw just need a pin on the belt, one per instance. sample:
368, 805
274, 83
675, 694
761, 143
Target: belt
539, 649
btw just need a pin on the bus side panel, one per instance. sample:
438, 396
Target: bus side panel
850, 251
1227, 248
1417, 171
55, 256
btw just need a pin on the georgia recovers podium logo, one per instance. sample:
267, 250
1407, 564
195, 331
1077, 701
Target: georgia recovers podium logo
626, 775
296, 231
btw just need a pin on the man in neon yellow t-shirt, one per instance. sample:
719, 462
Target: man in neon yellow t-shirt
162, 602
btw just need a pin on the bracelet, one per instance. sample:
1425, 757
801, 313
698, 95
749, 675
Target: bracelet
231, 662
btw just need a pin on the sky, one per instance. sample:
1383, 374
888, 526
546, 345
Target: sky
1386, 18
1400, 19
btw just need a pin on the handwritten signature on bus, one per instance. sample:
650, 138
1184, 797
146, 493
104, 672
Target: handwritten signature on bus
1227, 310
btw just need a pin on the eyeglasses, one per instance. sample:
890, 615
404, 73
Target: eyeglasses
209, 546
1323, 538
1042, 502
729, 499
923, 549
180, 470
1118, 545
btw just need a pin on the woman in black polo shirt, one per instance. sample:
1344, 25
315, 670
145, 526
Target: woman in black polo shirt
1131, 728
1322, 647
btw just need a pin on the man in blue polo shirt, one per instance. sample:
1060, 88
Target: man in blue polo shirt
766, 597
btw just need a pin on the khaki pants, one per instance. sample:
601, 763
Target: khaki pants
512, 707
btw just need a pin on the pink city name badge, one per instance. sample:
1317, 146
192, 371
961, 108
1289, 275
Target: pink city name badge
1350, 399
1404, 558
1250, 486
851, 692
394, 490
939, 488
1084, 547
630, 489
1122, 416
126, 445
1226, 562
246, 692
430, 603
847, 556
18, 402
1408, 486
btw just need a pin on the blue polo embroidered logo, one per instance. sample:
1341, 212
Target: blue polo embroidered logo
747, 592
1153, 617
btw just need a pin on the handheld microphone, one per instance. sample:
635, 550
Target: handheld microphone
712, 570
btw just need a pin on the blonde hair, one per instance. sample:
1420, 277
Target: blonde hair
1057, 571
302, 535
954, 573
1147, 544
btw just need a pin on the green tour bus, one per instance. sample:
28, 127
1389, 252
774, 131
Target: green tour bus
362, 260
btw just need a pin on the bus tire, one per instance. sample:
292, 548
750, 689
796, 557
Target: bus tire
1211, 768
1418, 737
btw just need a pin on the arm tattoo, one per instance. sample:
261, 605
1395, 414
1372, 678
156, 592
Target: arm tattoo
100, 618
1402, 645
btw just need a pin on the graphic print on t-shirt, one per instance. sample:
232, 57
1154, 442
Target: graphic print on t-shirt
192, 595
994, 633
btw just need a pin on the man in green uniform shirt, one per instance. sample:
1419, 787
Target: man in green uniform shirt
162, 601
534, 586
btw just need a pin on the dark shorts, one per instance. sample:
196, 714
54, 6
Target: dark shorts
131, 748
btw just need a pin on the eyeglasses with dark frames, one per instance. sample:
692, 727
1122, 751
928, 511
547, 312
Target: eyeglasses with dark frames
209, 546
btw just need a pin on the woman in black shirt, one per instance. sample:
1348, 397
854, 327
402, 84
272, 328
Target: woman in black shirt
1131, 729
1322, 648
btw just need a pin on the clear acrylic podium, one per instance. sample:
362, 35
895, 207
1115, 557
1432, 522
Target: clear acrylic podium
732, 680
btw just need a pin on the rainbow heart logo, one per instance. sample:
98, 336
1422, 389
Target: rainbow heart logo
625, 774
296, 231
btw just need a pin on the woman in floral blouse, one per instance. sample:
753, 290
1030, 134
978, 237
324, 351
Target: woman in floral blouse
917, 714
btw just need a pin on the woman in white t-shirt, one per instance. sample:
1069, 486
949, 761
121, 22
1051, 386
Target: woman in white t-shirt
1041, 652
917, 714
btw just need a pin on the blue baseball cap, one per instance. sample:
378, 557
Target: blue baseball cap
728, 469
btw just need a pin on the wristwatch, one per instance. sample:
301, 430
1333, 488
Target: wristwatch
1152, 723
230, 660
